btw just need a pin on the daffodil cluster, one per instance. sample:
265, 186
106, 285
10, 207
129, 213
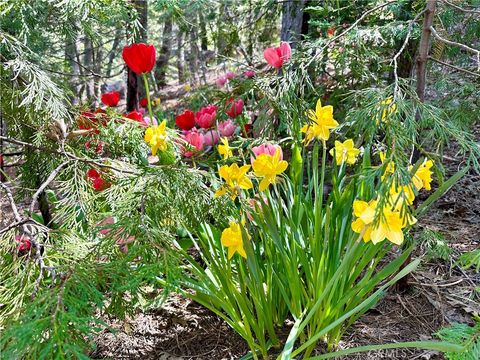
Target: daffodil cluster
387, 221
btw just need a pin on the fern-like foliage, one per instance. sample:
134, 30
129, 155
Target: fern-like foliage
464, 335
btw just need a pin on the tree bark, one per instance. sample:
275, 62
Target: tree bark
71, 54
193, 56
87, 62
142, 10
165, 51
132, 90
113, 53
180, 58
292, 19
97, 66
423, 48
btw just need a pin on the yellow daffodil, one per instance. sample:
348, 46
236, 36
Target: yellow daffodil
390, 168
322, 122
387, 107
235, 178
345, 151
225, 149
156, 137
423, 176
187, 87
389, 226
401, 194
157, 102
232, 239
268, 167
365, 213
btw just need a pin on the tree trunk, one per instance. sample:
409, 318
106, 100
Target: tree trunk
97, 66
142, 9
71, 55
180, 58
193, 56
423, 49
292, 19
132, 90
113, 53
220, 43
164, 55
88, 62
203, 32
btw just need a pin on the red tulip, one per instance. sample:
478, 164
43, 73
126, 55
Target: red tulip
98, 183
98, 147
331, 32
205, 117
234, 108
276, 57
24, 243
140, 58
186, 120
92, 174
144, 102
248, 129
111, 98
135, 115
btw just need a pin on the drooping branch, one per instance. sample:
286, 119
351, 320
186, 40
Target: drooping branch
468, 11
454, 67
453, 43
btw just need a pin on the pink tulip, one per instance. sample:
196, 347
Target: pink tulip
226, 128
249, 73
195, 140
221, 81
230, 75
234, 107
205, 117
276, 57
266, 149
211, 138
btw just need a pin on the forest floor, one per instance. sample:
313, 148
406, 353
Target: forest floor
439, 293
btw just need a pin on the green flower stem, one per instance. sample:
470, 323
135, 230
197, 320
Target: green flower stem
147, 90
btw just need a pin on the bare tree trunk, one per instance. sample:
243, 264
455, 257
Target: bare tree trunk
71, 55
193, 56
132, 93
423, 49
180, 57
142, 9
87, 62
292, 19
113, 53
165, 51
421, 74
220, 43
97, 66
